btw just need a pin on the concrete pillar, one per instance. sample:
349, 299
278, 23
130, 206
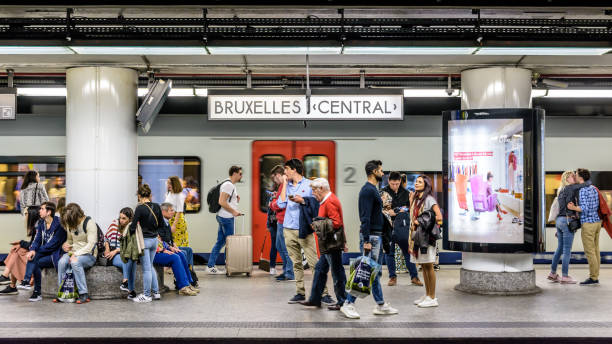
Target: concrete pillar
101, 139
496, 273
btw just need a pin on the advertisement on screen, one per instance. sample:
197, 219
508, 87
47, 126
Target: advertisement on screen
486, 181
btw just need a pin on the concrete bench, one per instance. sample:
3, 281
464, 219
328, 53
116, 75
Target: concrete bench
102, 282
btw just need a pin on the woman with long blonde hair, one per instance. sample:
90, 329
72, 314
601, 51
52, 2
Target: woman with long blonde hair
565, 236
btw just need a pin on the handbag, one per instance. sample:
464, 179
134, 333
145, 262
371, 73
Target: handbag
68, 290
573, 223
264, 264
554, 210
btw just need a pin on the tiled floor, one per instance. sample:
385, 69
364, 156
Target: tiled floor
257, 307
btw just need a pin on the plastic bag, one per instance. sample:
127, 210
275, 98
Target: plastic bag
363, 271
68, 289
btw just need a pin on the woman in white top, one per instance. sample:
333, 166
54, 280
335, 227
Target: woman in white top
420, 201
176, 197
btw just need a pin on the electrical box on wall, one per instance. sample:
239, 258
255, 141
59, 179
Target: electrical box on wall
8, 103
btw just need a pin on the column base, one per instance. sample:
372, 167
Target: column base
498, 283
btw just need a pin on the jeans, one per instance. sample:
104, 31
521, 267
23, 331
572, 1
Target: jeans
375, 254
273, 250
282, 250
117, 262
226, 228
565, 239
390, 260
333, 260
179, 265
78, 269
129, 270
33, 268
188, 254
149, 277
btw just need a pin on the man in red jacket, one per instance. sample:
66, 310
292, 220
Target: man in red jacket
331, 208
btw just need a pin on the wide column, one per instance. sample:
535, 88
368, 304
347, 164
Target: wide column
101, 140
496, 273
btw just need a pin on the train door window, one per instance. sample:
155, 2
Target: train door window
316, 166
52, 174
156, 170
266, 184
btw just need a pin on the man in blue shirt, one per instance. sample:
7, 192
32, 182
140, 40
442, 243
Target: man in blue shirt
591, 224
295, 188
370, 237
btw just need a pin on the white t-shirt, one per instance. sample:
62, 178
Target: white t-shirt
230, 189
177, 200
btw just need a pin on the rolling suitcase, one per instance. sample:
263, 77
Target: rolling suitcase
239, 252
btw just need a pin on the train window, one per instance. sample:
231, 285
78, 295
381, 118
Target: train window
156, 170
12, 169
316, 166
266, 184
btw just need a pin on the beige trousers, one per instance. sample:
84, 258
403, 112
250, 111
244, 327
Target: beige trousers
295, 245
590, 241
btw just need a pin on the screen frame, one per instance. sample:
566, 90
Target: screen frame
534, 226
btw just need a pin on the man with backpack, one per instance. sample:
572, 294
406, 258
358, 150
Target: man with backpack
226, 206
400, 202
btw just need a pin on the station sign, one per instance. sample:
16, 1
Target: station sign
328, 104
8, 103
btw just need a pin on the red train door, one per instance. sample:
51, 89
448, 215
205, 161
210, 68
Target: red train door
319, 159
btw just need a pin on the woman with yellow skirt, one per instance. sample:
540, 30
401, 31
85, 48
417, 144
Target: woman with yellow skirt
176, 197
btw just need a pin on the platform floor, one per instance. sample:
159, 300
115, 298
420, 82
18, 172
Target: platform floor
257, 307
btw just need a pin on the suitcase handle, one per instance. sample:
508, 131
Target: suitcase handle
243, 224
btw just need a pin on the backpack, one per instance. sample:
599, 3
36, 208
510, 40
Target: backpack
213, 197
100, 243
401, 227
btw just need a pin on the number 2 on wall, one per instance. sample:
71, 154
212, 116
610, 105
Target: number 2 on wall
349, 174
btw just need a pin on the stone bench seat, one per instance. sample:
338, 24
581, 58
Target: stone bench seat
102, 282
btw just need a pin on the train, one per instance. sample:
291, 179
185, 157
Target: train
331, 149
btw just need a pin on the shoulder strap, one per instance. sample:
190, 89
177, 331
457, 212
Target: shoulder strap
85, 223
152, 212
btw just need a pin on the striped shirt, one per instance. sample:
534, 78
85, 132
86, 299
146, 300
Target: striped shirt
589, 203
113, 236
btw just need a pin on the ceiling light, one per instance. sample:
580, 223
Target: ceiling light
179, 92
559, 51
219, 50
101, 50
537, 93
429, 93
568, 93
42, 91
21, 50
409, 50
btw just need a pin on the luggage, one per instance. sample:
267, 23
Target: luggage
264, 264
239, 252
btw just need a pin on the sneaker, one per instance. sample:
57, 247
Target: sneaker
280, 277
9, 291
24, 286
35, 297
436, 267
589, 282
142, 298
285, 279
567, 280
131, 295
428, 302
416, 281
392, 281
309, 304
420, 299
214, 271
156, 296
297, 298
4, 280
84, 298
272, 271
334, 307
554, 277
328, 300
384, 309
349, 311
124, 286
186, 291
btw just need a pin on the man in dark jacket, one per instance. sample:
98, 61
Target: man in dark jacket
45, 250
400, 201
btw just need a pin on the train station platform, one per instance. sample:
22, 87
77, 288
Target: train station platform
256, 309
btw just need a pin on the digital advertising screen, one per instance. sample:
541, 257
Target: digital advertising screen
490, 179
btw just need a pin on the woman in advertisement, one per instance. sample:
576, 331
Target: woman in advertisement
492, 197
423, 200
565, 236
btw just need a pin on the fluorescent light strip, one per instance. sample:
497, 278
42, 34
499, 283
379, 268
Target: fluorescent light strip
98, 50
42, 91
557, 51
179, 92
429, 93
579, 93
22, 50
219, 50
409, 50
